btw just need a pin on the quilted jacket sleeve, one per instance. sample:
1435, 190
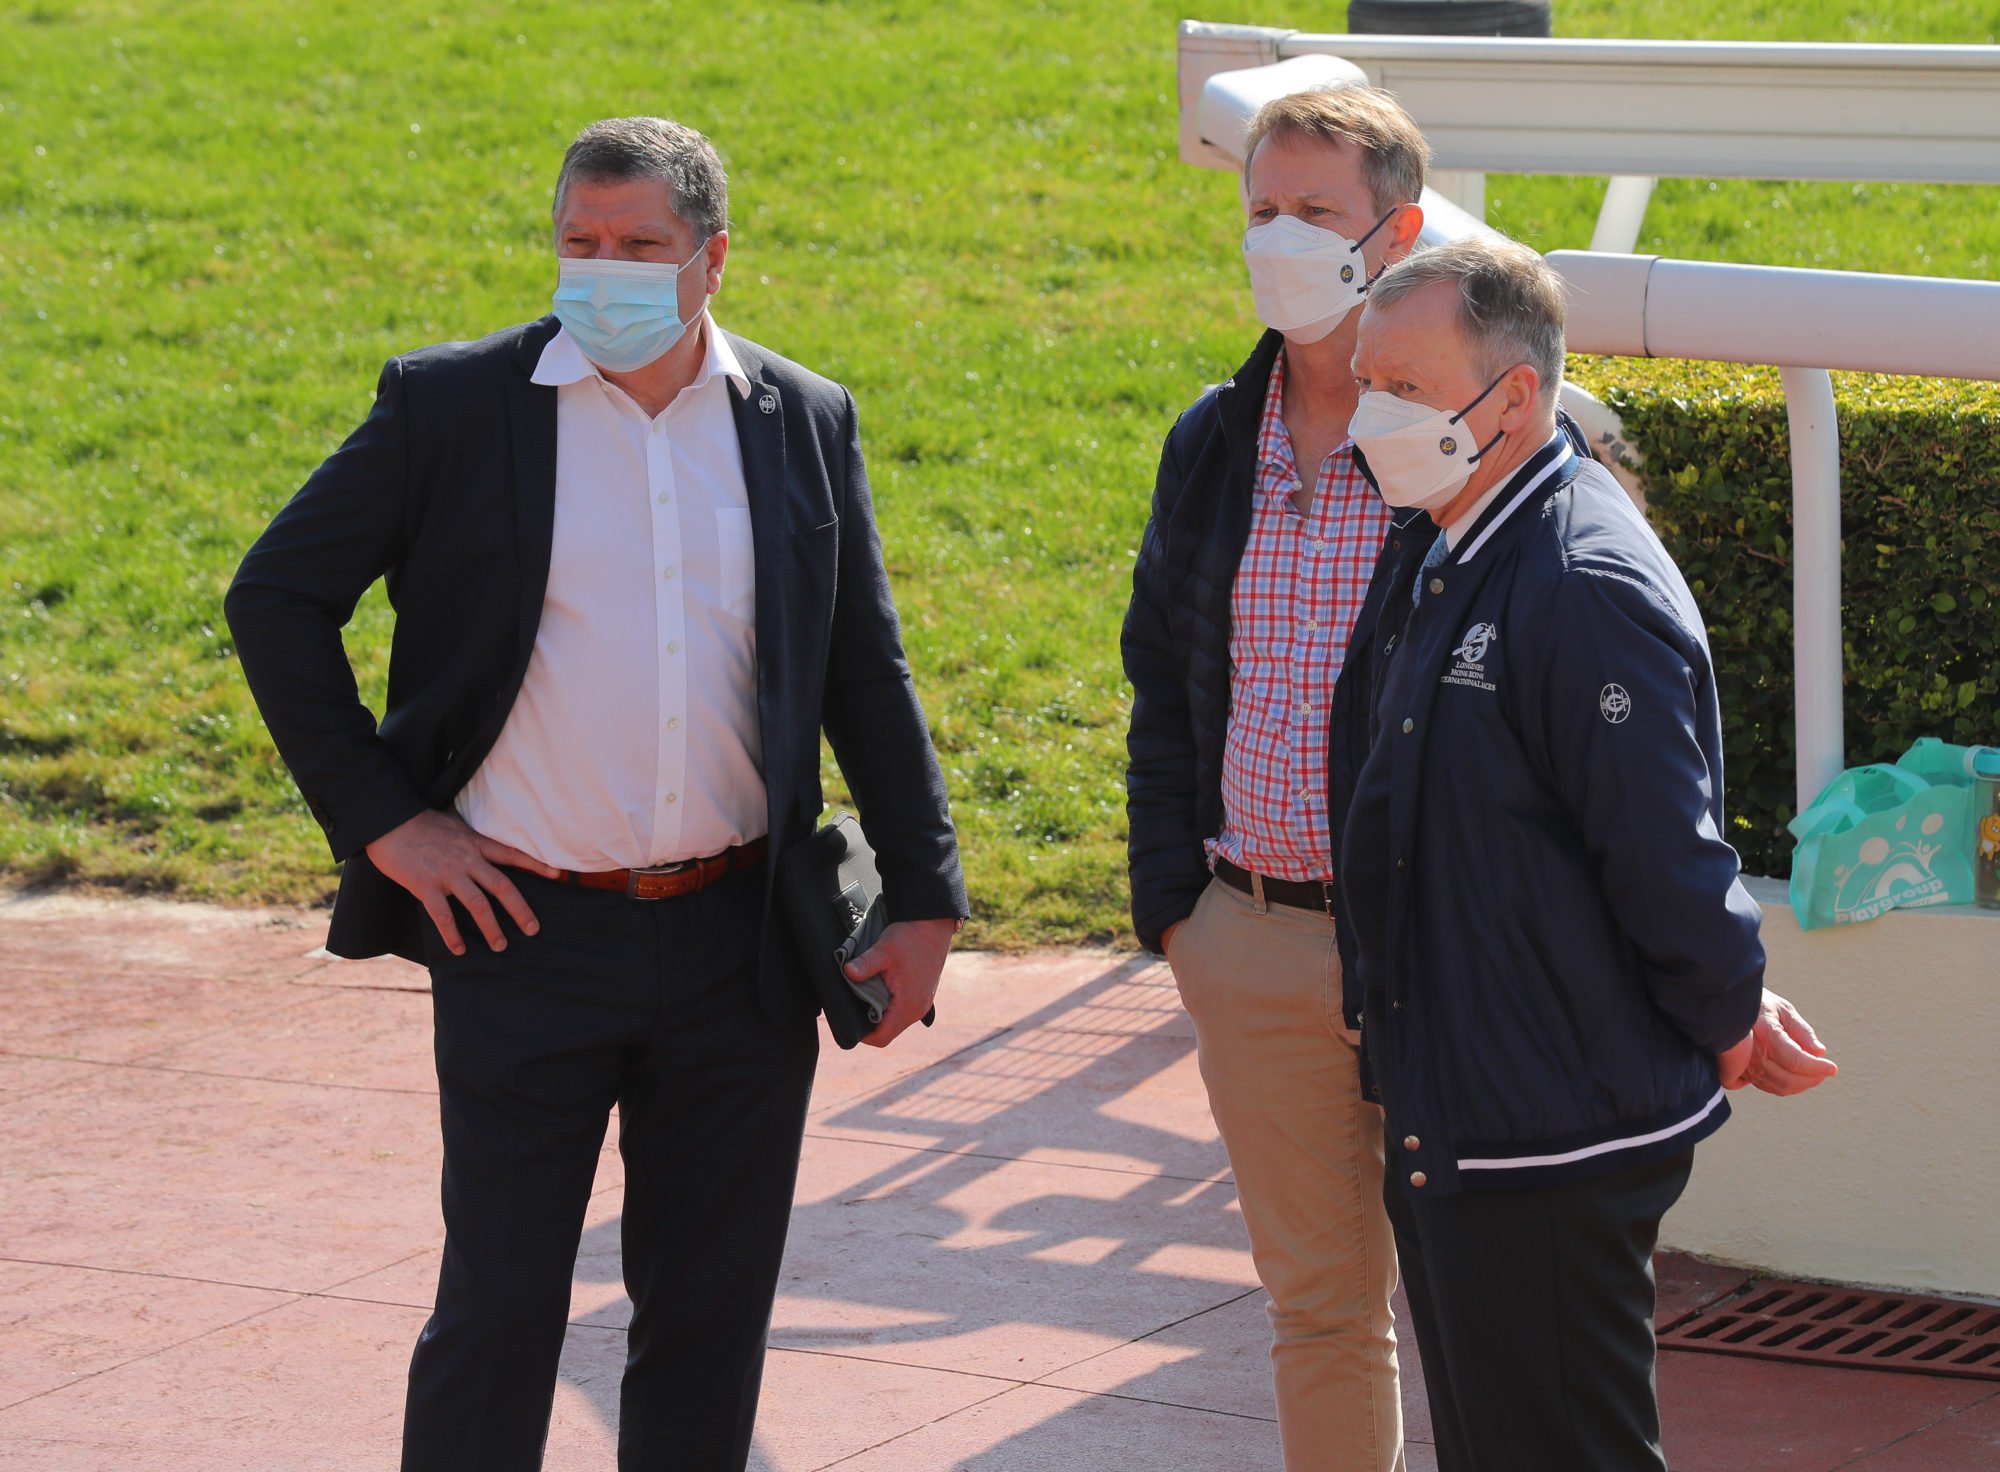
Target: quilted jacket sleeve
1168, 866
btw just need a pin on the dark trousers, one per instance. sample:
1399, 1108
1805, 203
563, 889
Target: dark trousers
1533, 1311
652, 1007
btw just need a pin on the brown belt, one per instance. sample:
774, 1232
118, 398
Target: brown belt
668, 881
1300, 894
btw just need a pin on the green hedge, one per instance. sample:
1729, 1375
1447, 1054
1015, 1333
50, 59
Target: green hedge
1920, 559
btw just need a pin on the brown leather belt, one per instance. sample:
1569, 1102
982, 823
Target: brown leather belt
668, 881
1299, 894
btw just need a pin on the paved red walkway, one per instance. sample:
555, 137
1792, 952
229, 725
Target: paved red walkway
1016, 1244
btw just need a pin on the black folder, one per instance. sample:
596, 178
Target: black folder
831, 899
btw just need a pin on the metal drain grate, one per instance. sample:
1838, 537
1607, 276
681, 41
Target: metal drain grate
1847, 1326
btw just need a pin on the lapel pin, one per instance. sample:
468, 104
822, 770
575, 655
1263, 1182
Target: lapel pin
769, 403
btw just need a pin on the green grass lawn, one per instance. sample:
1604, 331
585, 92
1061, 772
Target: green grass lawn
216, 221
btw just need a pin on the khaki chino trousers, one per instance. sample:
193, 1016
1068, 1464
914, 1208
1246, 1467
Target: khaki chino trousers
1262, 985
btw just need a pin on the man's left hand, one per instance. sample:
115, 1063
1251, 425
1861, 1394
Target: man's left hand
910, 958
1782, 1055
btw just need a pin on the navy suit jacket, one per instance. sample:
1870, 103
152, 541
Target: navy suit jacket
447, 491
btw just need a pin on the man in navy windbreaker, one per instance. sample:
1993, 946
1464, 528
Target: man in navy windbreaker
1558, 967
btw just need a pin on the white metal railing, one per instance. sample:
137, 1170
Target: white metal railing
1803, 323
1636, 109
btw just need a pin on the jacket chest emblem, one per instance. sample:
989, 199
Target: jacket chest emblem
1468, 661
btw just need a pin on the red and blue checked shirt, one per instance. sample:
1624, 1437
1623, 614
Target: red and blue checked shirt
1297, 593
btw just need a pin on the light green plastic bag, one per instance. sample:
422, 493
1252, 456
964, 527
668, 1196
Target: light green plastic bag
1883, 837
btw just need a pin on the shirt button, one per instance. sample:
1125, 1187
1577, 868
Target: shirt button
1419, 1179
664, 498
1411, 1142
673, 797
1408, 725
673, 723
1319, 544
1305, 707
1312, 625
673, 646
666, 574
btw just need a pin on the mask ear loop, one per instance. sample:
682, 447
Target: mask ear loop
1355, 249
1473, 459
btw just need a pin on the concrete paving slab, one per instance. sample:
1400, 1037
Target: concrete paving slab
1962, 1438
597, 1293
1105, 1100
826, 1409
68, 1323
985, 988
379, 973
310, 1386
583, 1425
1038, 1428
352, 1039
20, 1077
64, 934
270, 1185
120, 1016
1032, 1190
1727, 1413
1685, 1284
1218, 1360
1001, 1267
847, 1074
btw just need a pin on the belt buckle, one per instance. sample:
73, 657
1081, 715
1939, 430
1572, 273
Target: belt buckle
633, 877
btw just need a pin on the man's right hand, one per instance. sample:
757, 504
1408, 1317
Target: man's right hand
438, 858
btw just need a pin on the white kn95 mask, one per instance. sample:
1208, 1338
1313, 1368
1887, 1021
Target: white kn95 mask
1414, 455
1303, 279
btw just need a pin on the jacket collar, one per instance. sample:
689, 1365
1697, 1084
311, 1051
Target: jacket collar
1239, 401
530, 339
1545, 470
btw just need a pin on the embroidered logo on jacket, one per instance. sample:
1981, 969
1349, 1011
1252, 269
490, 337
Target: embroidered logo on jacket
1469, 659
1614, 704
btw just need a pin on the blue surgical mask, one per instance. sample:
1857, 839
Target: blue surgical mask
623, 314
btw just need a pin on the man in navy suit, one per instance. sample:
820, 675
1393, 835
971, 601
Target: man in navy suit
636, 575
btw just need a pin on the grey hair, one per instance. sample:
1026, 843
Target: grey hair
1510, 304
652, 148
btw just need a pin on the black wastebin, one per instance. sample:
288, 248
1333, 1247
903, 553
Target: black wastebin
1448, 18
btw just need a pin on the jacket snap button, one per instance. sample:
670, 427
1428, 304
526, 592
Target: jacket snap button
1402, 864
1408, 725
1411, 1142
1419, 1179
1437, 585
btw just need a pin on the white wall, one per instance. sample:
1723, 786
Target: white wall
1889, 1173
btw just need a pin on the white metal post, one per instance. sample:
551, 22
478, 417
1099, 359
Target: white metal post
1816, 628
1465, 188
1622, 214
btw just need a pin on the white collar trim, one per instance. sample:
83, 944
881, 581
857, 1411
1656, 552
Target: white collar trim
1520, 497
563, 361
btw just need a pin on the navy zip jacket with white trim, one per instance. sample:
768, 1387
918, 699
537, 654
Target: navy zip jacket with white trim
1545, 934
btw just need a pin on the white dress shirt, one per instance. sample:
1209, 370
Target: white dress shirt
634, 739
